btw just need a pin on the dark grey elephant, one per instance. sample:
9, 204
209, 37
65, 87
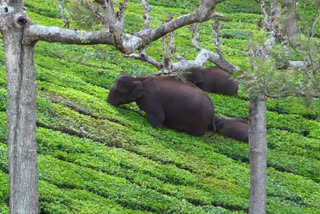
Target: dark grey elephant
166, 101
212, 79
233, 128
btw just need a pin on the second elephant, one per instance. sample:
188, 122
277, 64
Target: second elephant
212, 79
234, 128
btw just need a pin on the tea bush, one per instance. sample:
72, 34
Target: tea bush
96, 158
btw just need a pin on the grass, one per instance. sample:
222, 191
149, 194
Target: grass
96, 158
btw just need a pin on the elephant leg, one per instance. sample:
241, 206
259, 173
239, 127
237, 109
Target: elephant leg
156, 119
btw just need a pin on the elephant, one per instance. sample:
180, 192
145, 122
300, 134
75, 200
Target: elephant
167, 101
233, 128
212, 79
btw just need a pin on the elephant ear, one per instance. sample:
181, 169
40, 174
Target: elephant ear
137, 91
125, 83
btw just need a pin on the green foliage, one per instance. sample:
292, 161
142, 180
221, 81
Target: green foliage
4, 188
4, 191
3, 99
96, 158
294, 144
306, 16
235, 6
232, 6
4, 209
235, 34
44, 20
45, 8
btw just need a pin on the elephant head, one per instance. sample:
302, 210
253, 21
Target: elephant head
126, 89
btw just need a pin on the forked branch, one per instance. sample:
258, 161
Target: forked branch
65, 19
266, 20
195, 35
101, 17
145, 58
217, 40
146, 15
167, 66
173, 48
126, 43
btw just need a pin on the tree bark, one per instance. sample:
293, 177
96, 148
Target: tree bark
21, 110
35, 33
21, 118
284, 19
258, 155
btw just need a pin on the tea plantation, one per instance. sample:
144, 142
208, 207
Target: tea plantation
96, 158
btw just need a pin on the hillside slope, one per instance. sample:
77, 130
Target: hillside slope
96, 158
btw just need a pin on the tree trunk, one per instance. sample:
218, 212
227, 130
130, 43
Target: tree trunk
258, 155
21, 122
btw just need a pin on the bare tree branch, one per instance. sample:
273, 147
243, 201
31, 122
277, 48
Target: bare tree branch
173, 48
166, 58
203, 13
122, 10
167, 66
216, 39
97, 14
266, 19
126, 43
65, 19
146, 15
201, 59
145, 58
164, 72
218, 15
195, 35
34, 33
111, 17
297, 65
204, 55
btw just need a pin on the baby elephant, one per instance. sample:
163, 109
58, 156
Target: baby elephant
233, 128
166, 101
212, 79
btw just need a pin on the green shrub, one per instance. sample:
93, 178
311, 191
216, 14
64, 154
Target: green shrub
4, 209
4, 188
3, 99
95, 158
235, 34
43, 7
